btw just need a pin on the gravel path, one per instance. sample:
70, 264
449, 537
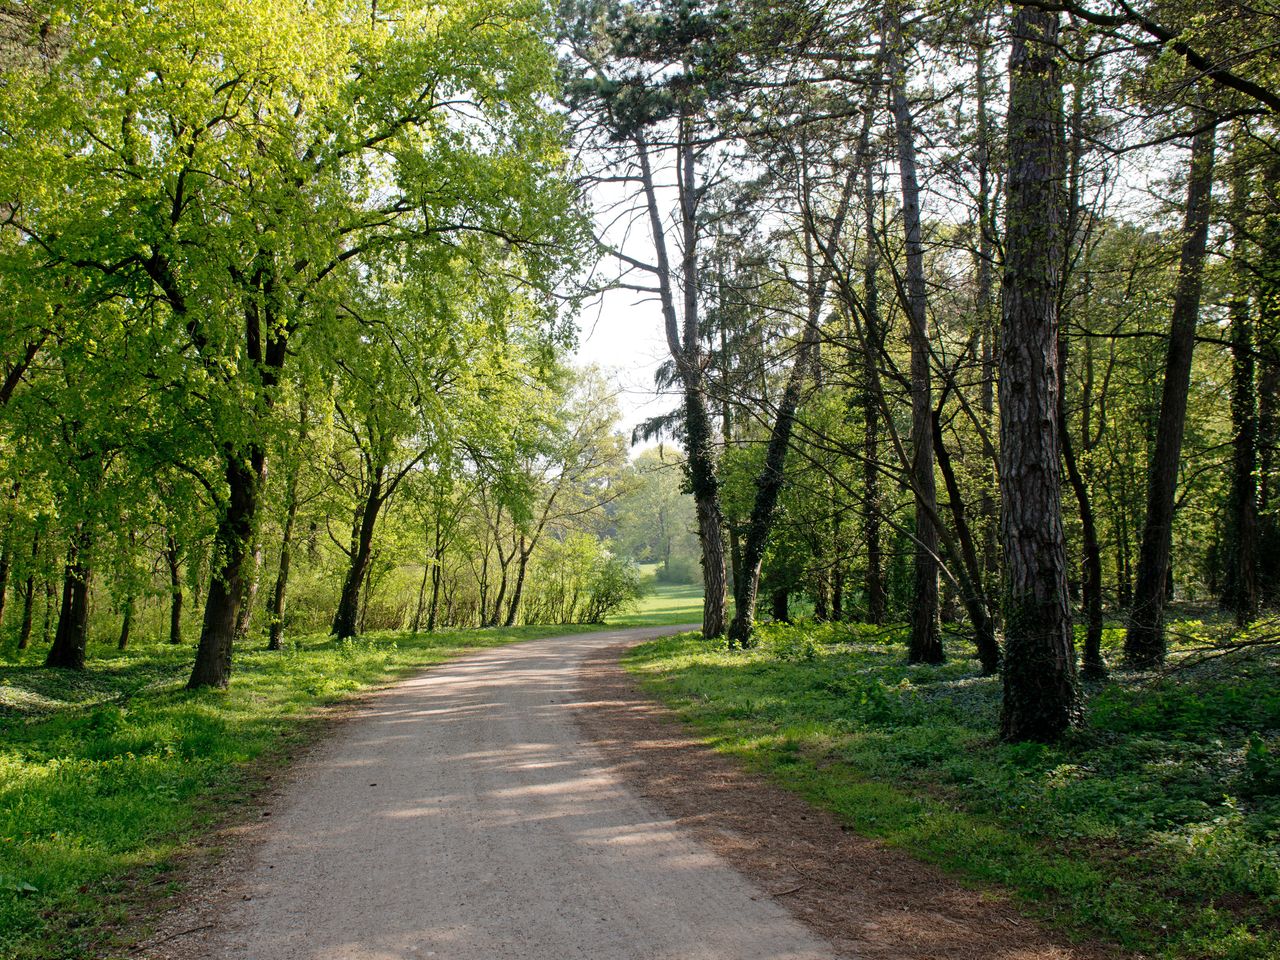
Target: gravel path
460, 815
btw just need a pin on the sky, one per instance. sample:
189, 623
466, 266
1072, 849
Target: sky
622, 334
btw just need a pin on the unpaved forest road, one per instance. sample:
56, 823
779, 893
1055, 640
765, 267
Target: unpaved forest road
461, 816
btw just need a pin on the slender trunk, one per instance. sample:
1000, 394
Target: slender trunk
1240, 593
50, 595
513, 609
279, 596
683, 335
968, 571
346, 619
6, 563
1094, 667
173, 559
781, 605
1041, 694
28, 605
925, 644
126, 624
435, 581
706, 495
989, 522
245, 475
72, 637
29, 596
874, 580
1144, 642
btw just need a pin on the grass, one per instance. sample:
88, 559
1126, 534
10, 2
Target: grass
1154, 827
108, 777
663, 604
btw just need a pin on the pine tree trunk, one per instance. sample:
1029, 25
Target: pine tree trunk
874, 579
245, 474
1144, 642
925, 643
1041, 698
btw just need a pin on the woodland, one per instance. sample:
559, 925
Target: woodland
971, 458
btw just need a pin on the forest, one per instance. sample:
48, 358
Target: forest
969, 442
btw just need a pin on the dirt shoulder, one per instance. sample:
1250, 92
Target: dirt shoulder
867, 899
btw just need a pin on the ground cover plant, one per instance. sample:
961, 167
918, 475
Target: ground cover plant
107, 775
1153, 825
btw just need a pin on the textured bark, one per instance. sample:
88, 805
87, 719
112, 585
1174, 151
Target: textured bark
72, 636
29, 596
245, 475
683, 335
1144, 642
346, 619
1041, 698
925, 643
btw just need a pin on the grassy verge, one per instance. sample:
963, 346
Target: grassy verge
1154, 827
106, 777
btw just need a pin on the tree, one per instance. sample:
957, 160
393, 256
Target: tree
1041, 699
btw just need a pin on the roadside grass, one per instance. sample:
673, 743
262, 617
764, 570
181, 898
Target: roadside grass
108, 776
1155, 826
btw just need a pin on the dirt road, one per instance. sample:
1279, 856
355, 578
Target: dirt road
461, 816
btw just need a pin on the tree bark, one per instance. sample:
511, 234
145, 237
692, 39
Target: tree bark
346, 619
1041, 697
1240, 589
29, 596
126, 624
925, 643
279, 596
874, 579
1144, 642
173, 559
72, 637
969, 575
245, 475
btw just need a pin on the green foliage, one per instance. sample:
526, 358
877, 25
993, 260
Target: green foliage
1156, 826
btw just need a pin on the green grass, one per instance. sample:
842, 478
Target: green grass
1154, 827
108, 776
663, 604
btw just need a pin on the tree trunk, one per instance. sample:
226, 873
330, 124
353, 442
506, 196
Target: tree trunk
1041, 697
29, 596
706, 495
279, 597
969, 571
874, 580
435, 581
173, 559
6, 563
513, 608
72, 637
246, 474
126, 624
346, 619
925, 644
1240, 589
781, 605
1144, 642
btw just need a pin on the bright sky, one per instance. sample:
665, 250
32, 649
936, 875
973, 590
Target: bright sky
622, 334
